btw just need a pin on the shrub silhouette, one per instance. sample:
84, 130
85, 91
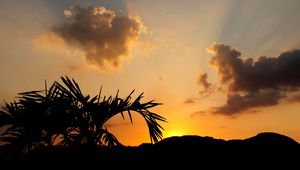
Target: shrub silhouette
63, 116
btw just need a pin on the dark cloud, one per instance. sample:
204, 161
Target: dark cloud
294, 98
202, 81
205, 93
237, 103
105, 37
189, 101
246, 75
254, 83
199, 113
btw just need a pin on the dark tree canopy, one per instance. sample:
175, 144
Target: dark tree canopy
61, 115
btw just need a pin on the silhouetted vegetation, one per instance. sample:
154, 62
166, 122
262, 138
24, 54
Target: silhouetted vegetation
60, 123
62, 117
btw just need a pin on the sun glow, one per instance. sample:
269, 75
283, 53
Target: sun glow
171, 133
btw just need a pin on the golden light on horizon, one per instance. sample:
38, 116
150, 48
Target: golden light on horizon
152, 51
175, 132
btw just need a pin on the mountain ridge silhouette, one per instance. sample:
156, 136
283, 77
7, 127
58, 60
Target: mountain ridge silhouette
181, 149
267, 148
259, 139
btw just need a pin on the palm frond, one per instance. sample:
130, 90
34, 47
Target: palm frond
116, 105
104, 137
39, 116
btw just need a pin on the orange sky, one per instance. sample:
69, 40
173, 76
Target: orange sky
159, 48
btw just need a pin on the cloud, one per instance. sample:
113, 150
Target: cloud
208, 89
294, 98
237, 103
202, 81
246, 75
189, 101
254, 83
105, 37
53, 42
74, 67
199, 113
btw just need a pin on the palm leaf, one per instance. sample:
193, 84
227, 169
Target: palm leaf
39, 116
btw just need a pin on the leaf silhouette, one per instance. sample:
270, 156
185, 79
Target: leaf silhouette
63, 116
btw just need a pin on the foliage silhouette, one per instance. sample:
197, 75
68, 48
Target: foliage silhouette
63, 116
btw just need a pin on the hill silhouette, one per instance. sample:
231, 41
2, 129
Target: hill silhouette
260, 148
192, 148
62, 112
269, 138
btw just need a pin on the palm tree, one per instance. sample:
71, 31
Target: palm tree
63, 116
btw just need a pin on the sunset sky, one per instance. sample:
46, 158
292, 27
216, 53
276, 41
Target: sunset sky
222, 68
